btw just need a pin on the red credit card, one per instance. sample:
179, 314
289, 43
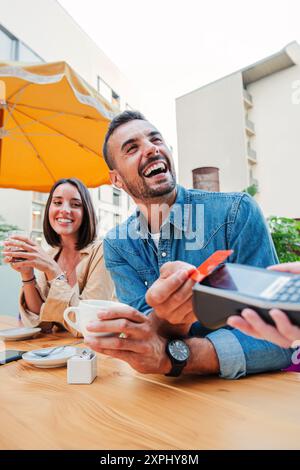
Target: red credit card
210, 264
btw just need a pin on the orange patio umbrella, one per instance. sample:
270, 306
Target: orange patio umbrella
52, 125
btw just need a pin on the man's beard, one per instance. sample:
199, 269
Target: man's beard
140, 190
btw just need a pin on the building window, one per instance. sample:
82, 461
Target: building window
40, 197
39, 201
13, 49
108, 93
117, 219
104, 216
25, 54
115, 99
37, 216
104, 89
8, 46
206, 178
116, 197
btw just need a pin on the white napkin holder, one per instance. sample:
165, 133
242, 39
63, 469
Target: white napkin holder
82, 369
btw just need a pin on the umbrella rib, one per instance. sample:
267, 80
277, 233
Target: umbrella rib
33, 147
19, 91
51, 116
54, 110
59, 132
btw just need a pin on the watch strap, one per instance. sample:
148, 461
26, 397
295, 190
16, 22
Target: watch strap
176, 369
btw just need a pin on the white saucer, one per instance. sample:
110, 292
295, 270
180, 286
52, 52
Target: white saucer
56, 359
17, 334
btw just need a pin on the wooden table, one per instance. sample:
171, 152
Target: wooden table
126, 410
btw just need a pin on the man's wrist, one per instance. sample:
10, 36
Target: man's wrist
203, 358
166, 329
166, 364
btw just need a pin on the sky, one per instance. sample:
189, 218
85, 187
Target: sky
167, 48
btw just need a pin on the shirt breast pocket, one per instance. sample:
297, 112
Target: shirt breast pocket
148, 276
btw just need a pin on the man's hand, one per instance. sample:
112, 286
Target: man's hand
171, 294
139, 344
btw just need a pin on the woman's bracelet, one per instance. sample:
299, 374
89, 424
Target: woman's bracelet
29, 280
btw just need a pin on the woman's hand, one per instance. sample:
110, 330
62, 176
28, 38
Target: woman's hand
287, 267
34, 257
284, 333
26, 273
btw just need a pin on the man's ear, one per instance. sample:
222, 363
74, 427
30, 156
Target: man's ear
116, 179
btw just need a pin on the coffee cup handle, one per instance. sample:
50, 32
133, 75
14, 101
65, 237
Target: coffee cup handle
73, 325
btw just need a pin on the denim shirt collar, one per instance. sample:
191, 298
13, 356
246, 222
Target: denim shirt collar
179, 214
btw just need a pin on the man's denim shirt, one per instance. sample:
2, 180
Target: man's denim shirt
198, 224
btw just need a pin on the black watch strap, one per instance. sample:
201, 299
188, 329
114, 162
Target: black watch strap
176, 369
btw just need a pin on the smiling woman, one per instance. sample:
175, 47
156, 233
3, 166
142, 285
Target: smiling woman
73, 269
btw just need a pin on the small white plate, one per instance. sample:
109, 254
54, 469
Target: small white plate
56, 359
17, 334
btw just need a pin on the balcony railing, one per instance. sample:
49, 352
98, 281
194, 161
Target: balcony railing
250, 128
254, 182
247, 99
251, 153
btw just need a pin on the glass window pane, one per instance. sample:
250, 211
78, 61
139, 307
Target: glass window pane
116, 197
27, 55
37, 216
40, 197
104, 90
6, 47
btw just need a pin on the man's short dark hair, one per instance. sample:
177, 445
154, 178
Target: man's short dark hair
119, 120
87, 230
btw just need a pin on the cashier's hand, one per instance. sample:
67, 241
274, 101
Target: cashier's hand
139, 345
284, 334
171, 295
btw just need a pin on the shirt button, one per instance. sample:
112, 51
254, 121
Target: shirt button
146, 283
164, 254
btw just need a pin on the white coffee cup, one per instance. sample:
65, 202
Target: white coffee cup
86, 312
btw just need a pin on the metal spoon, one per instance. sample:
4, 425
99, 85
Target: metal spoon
47, 351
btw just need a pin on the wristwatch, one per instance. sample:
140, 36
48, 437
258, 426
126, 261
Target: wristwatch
178, 352
60, 277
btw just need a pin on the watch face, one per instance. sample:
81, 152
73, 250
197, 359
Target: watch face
179, 350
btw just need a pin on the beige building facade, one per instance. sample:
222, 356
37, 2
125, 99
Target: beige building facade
244, 130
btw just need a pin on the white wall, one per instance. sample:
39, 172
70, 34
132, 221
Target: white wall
277, 141
48, 29
45, 27
210, 130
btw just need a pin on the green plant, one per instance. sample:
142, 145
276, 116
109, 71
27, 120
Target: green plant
4, 229
252, 190
286, 237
